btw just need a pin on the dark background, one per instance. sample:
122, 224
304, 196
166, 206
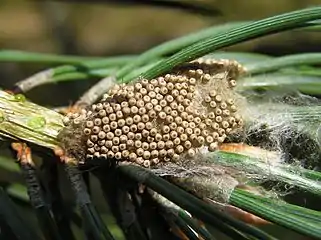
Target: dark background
108, 29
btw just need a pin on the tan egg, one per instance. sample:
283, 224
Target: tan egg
170, 152
152, 94
174, 113
223, 105
125, 154
90, 144
169, 119
179, 149
96, 129
185, 124
192, 125
159, 96
218, 111
226, 113
162, 115
130, 135
99, 106
225, 124
132, 102
146, 155
162, 153
139, 161
192, 81
176, 141
154, 102
145, 118
122, 147
189, 131
153, 132
160, 144
140, 103
213, 147
213, 93
121, 122
166, 137
232, 83
113, 125
115, 148
173, 125
110, 154
146, 163
233, 108
143, 91
169, 144
199, 73
91, 150
158, 108
191, 153
221, 131
146, 98
137, 118
87, 131
150, 139
201, 140
166, 129
164, 90
140, 152
125, 129
134, 110
140, 126
183, 137
101, 142
123, 138
126, 111
150, 87
89, 124
138, 144
102, 113
154, 82
153, 145
130, 94
145, 133
152, 113
105, 120
124, 104
175, 158
149, 125
138, 136
213, 104
167, 109
108, 144
170, 86
112, 117
180, 130
101, 135
132, 157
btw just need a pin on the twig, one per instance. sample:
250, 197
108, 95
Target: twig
48, 225
96, 91
90, 215
38, 79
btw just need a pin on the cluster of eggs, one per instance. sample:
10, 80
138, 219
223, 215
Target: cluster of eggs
162, 119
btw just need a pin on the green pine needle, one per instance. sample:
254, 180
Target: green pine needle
275, 213
235, 35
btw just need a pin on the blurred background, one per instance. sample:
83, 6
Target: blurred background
107, 28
